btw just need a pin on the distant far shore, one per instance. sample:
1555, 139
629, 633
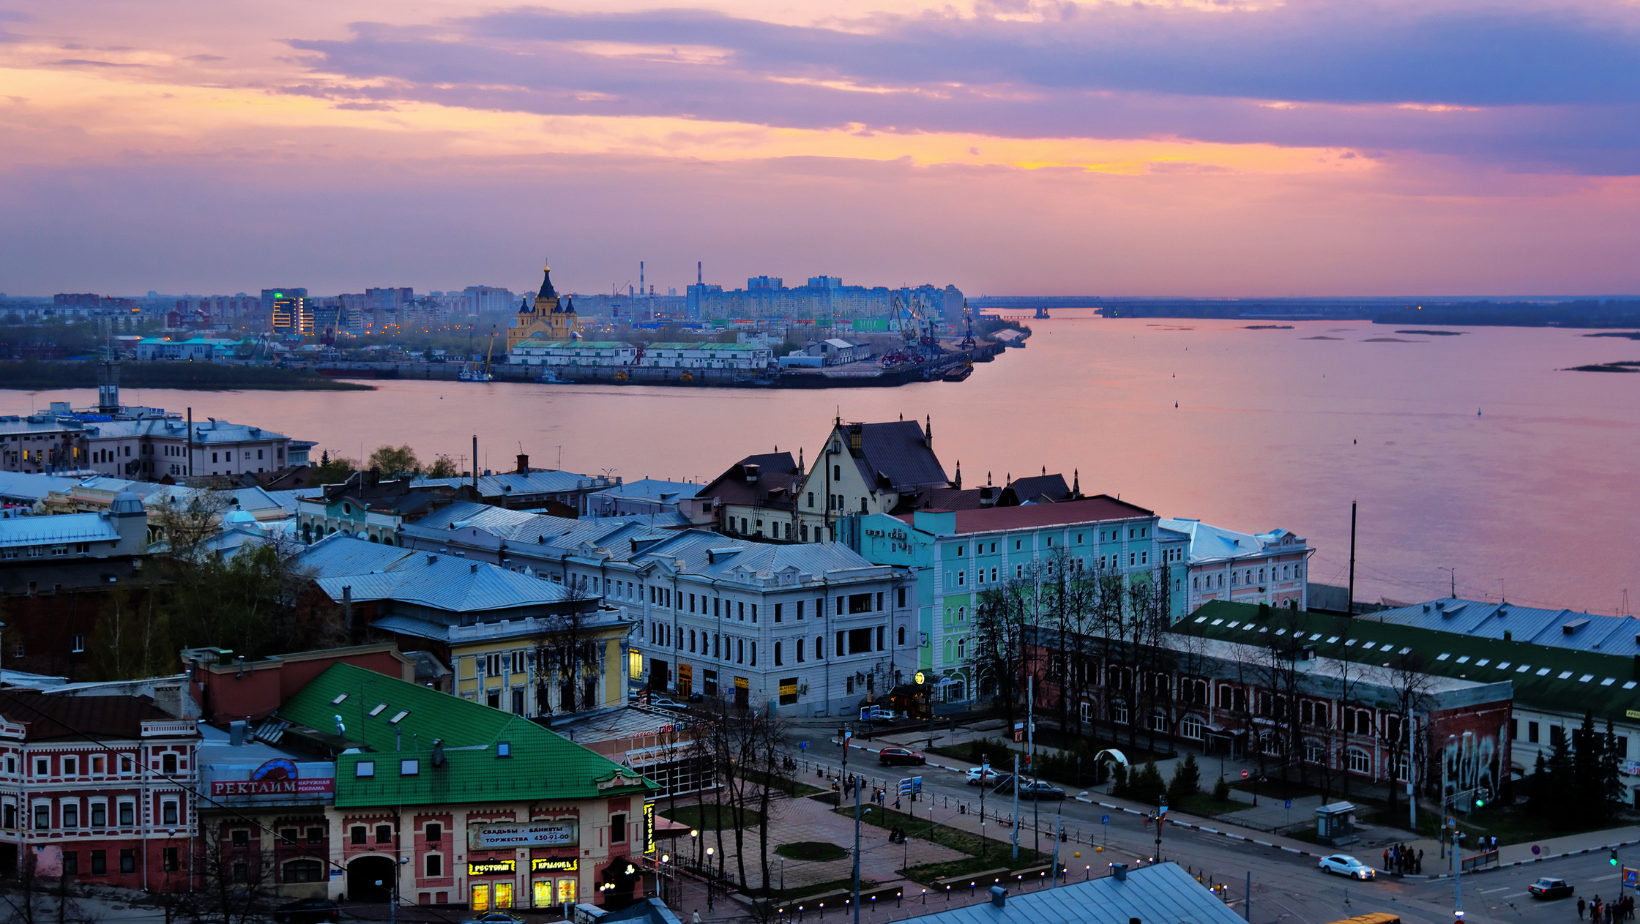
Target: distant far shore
36, 375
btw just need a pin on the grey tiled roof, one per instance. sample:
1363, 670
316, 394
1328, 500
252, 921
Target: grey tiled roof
68, 527
1619, 635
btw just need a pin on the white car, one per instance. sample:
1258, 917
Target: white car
989, 775
1343, 864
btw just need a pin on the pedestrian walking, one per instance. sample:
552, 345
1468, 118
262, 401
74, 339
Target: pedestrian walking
1420, 863
1386, 860
697, 916
1580, 908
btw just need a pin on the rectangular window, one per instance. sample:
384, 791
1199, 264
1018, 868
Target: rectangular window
900, 597
316, 835
71, 863
859, 640
356, 834
777, 612
435, 866
168, 859
128, 814
168, 764
128, 860
71, 815
384, 834
1532, 732
435, 833
99, 862
71, 766
168, 813
42, 816
617, 829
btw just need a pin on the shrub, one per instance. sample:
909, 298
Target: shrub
1146, 785
1221, 791
1187, 780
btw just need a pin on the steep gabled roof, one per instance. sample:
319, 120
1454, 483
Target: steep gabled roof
895, 456
777, 475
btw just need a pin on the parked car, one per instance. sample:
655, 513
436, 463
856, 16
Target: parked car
887, 717
900, 756
1037, 789
495, 917
1343, 864
1548, 887
308, 911
990, 775
661, 702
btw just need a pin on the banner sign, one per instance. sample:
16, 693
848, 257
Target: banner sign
538, 834
555, 865
276, 777
649, 827
490, 867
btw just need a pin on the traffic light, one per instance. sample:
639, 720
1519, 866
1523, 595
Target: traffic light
1480, 803
1614, 856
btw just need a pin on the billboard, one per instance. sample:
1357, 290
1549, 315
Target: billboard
537, 834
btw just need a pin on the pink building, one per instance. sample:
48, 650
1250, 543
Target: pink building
1223, 564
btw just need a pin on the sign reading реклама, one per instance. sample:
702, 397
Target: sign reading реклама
539, 834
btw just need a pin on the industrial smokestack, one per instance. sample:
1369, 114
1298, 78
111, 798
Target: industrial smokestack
640, 276
697, 273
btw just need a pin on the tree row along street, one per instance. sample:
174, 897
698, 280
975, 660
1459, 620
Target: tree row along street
1286, 884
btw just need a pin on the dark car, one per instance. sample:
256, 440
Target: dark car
1550, 888
494, 917
1028, 788
308, 911
900, 756
662, 702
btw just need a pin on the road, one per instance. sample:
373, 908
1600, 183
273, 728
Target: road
1287, 888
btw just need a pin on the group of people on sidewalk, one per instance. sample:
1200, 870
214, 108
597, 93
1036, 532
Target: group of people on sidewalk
1608, 912
1399, 858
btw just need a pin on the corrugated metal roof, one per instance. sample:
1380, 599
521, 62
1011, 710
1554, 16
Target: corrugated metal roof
340, 554
68, 527
1611, 689
1619, 635
896, 452
541, 765
21, 486
1163, 894
437, 581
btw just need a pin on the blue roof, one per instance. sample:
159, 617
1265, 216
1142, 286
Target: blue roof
654, 489
1163, 893
68, 527
1562, 628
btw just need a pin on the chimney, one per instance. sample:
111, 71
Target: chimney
523, 464
236, 734
1119, 871
999, 896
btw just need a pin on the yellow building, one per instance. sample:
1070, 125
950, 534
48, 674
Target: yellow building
497, 665
547, 319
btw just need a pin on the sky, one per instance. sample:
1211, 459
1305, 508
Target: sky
1179, 147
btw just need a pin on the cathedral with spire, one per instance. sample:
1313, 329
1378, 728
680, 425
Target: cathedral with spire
547, 319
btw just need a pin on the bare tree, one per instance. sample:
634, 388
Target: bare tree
234, 883
567, 654
1410, 687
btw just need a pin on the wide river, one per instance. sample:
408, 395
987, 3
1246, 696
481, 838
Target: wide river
1472, 452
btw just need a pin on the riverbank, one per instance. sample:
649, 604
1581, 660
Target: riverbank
34, 375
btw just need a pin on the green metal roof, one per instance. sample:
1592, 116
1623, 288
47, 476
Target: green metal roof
706, 346
1552, 679
539, 765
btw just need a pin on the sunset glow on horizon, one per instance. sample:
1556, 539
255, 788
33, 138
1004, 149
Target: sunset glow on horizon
1011, 146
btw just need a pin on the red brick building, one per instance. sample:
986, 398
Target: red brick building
97, 787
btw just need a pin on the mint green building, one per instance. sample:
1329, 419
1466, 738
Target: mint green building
955, 555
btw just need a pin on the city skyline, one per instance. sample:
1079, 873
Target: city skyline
1022, 147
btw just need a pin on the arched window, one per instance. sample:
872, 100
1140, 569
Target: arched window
1358, 761
1315, 752
819, 647
902, 636
303, 871
777, 654
1157, 721
1192, 727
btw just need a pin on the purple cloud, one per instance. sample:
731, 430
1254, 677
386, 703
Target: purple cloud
1556, 91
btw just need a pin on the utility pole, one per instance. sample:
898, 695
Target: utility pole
857, 853
1015, 816
1412, 775
1030, 750
1350, 607
1053, 873
1457, 875
1453, 573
